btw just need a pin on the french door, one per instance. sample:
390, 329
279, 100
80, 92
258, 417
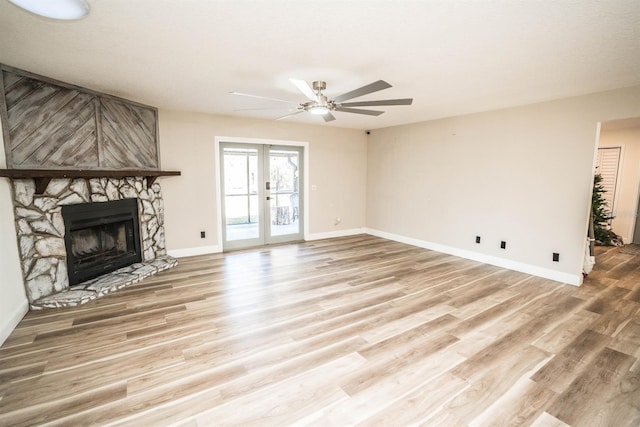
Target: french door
261, 194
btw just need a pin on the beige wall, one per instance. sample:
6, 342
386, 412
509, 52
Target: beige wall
337, 168
522, 175
13, 300
626, 201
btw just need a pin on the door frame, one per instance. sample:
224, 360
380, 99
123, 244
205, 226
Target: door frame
261, 141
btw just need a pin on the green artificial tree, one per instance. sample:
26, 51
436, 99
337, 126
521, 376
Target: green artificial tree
601, 215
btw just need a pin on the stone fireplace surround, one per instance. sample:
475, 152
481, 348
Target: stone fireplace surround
40, 232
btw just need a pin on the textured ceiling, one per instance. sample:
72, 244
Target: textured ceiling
453, 57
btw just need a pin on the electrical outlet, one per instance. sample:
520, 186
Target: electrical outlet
477, 239
202, 234
503, 245
556, 257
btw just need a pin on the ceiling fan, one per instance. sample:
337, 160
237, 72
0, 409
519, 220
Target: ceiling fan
320, 104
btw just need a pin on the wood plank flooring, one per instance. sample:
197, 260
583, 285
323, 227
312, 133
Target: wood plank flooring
350, 331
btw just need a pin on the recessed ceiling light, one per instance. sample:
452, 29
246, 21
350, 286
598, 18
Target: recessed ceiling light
55, 9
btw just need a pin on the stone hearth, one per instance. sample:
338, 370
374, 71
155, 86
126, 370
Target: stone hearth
40, 229
100, 286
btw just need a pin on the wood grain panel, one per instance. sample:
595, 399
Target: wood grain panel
52, 125
67, 138
13, 86
349, 331
48, 124
129, 135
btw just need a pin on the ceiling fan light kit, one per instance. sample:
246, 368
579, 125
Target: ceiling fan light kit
318, 110
65, 10
320, 105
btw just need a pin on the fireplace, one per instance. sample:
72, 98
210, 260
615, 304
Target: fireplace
100, 238
132, 228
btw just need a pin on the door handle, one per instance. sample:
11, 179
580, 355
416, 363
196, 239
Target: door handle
268, 198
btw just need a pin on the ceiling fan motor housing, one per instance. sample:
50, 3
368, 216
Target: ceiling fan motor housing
319, 85
321, 105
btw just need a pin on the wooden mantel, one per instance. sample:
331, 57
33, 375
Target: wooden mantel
43, 176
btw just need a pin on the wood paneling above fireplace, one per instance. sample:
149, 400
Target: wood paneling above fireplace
49, 124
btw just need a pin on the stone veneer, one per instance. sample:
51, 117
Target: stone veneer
100, 286
41, 231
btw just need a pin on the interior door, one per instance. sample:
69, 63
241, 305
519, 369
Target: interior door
261, 200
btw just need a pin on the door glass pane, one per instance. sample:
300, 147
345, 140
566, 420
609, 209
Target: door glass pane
241, 193
285, 196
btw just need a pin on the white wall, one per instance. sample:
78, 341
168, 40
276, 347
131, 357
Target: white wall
626, 201
337, 168
13, 300
522, 175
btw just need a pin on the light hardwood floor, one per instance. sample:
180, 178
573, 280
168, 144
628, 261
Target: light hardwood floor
348, 331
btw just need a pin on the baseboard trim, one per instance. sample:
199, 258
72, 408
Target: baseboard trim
13, 320
214, 249
334, 234
200, 250
558, 276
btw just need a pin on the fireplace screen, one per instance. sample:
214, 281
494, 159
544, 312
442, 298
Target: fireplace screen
100, 238
102, 243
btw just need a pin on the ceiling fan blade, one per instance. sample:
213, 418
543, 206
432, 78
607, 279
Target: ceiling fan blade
262, 97
284, 107
304, 88
328, 117
359, 111
370, 88
289, 115
404, 101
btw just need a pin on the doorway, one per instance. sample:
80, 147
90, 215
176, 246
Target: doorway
619, 161
636, 232
262, 197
